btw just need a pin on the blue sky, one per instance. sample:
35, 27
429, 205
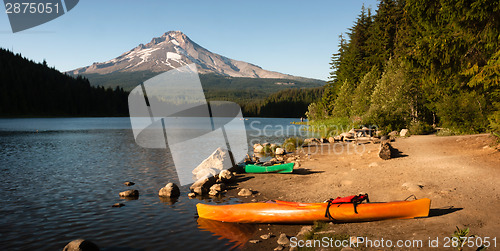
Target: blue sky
293, 37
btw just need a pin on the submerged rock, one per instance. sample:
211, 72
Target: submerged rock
129, 193
118, 205
81, 245
129, 183
171, 190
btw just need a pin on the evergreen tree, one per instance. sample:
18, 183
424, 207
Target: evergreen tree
389, 102
343, 102
361, 98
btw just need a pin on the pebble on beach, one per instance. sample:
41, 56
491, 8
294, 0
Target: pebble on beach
279, 248
283, 240
245, 192
266, 236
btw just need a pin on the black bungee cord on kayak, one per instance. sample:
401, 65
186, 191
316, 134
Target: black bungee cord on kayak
354, 199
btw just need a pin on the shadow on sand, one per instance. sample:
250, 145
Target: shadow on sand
442, 211
305, 171
395, 153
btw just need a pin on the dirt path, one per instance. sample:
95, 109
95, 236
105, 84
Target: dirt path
460, 174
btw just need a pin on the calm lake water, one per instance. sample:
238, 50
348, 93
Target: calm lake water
60, 176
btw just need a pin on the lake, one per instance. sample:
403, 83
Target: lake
60, 176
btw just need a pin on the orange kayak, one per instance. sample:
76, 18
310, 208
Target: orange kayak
294, 212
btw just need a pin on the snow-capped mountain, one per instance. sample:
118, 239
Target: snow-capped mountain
174, 49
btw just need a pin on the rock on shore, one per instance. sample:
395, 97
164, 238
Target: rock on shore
219, 160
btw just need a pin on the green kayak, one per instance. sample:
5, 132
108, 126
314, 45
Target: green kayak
280, 168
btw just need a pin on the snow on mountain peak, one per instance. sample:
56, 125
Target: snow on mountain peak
174, 49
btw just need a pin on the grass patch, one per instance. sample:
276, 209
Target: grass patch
269, 149
451, 132
420, 128
330, 127
291, 144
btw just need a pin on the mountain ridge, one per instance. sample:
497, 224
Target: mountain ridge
175, 49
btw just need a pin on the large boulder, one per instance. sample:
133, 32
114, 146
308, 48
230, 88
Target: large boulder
81, 245
211, 166
171, 190
404, 133
385, 151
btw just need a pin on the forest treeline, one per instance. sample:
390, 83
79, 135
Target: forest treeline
30, 89
417, 63
288, 103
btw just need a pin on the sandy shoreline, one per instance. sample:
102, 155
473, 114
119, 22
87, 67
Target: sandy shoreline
460, 174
